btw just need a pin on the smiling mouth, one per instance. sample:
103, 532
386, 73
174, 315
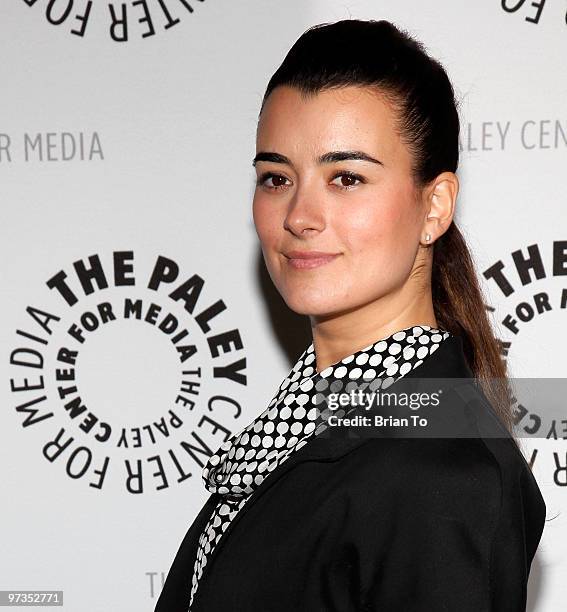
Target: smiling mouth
308, 263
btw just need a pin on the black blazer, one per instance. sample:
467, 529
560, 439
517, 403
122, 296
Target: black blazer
382, 524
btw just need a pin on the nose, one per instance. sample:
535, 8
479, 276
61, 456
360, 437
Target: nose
305, 213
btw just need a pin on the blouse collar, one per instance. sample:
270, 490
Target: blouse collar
294, 414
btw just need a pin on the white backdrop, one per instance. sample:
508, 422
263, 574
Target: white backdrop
137, 324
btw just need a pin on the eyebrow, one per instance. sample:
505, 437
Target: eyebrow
327, 158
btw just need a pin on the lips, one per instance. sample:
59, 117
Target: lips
305, 260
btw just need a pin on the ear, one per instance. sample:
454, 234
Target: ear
439, 200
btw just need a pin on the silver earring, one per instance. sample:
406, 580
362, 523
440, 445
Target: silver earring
427, 237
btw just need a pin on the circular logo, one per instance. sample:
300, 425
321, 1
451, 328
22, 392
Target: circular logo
132, 377
532, 320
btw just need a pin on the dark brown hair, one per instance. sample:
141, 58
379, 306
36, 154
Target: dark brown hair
377, 54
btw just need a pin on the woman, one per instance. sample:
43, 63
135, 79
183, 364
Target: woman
357, 149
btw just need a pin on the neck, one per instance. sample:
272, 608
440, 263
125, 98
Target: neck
340, 334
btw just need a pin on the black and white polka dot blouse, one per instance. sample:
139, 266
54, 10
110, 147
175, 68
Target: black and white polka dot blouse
292, 418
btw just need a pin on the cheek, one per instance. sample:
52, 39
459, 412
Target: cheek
265, 221
383, 232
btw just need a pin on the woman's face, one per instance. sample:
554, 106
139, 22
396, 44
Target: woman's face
364, 211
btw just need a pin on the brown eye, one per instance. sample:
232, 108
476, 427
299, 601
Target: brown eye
278, 181
347, 180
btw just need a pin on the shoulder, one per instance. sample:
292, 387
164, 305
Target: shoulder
479, 482
452, 477
478, 478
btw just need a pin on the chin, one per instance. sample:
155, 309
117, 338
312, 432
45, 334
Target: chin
313, 305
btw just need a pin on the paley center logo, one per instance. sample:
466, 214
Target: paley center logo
127, 374
532, 322
122, 21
